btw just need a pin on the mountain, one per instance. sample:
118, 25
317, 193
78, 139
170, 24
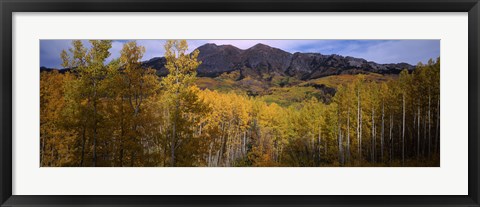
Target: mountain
276, 75
262, 61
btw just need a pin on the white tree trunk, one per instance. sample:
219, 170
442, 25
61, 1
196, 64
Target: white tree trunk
319, 144
391, 141
429, 128
373, 136
437, 131
418, 133
340, 147
425, 144
383, 131
403, 132
358, 126
348, 135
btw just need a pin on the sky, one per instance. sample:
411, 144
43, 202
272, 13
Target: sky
380, 51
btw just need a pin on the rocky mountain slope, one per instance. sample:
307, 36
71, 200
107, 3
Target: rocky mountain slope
263, 61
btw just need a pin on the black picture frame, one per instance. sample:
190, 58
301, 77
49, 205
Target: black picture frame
7, 7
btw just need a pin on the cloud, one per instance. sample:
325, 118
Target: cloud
50, 52
409, 51
115, 50
153, 48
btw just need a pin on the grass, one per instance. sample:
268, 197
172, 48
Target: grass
216, 84
283, 91
337, 80
288, 95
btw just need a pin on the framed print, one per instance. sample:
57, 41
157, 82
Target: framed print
262, 103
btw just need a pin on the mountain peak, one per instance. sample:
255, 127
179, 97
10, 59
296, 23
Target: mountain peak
260, 46
208, 46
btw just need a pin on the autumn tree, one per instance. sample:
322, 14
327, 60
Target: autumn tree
90, 67
57, 140
180, 92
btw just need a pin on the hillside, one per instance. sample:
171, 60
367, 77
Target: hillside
288, 90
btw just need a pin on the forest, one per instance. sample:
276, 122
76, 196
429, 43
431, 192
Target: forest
119, 114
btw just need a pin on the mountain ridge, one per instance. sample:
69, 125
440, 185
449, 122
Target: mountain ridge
263, 62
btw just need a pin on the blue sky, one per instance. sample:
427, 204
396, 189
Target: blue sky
380, 51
